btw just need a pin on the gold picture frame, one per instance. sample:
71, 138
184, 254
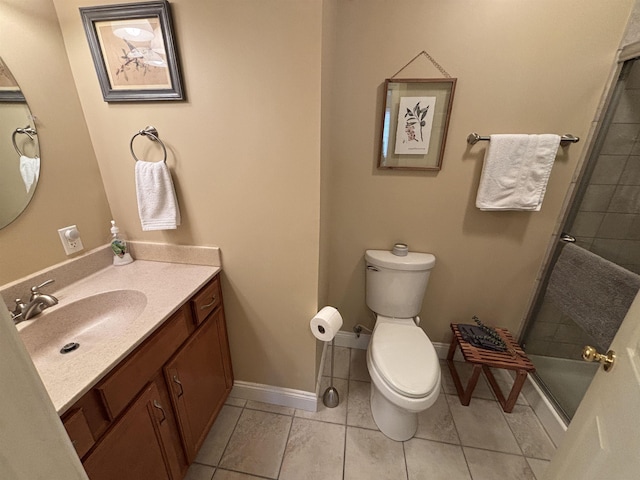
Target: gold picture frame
415, 121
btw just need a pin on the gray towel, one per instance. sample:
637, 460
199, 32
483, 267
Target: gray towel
594, 292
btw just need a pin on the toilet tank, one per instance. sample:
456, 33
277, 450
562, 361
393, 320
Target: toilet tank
395, 286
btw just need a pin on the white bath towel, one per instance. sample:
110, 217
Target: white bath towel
157, 201
516, 171
29, 170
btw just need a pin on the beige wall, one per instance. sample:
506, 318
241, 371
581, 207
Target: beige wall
522, 67
70, 190
329, 45
245, 157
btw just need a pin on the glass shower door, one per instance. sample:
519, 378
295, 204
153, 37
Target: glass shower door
605, 219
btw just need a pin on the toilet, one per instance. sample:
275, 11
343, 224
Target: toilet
402, 362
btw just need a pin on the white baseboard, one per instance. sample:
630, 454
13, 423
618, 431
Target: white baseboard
350, 340
286, 397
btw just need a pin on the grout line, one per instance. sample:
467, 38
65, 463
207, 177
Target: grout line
256, 409
466, 461
404, 454
286, 444
346, 413
502, 453
453, 420
344, 452
504, 415
224, 450
244, 473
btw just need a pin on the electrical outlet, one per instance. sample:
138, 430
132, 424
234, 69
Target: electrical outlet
70, 238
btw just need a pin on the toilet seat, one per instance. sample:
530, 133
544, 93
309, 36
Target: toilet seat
405, 358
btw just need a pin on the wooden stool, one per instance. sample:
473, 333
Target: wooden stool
483, 360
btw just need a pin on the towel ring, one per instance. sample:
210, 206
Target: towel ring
28, 131
152, 133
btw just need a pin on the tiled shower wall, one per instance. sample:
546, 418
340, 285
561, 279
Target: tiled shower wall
607, 222
608, 219
554, 334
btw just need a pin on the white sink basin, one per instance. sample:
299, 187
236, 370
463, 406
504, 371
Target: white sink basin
86, 322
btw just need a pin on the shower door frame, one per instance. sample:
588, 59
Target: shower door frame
586, 164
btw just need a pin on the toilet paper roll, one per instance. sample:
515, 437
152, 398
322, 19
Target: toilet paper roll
326, 324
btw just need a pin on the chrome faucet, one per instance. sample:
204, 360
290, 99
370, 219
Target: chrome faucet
37, 302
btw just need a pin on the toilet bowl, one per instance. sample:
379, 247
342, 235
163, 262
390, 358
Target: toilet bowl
402, 362
405, 376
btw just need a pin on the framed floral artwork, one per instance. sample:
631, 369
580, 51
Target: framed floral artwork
134, 52
415, 120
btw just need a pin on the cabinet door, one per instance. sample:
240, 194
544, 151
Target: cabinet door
196, 377
138, 446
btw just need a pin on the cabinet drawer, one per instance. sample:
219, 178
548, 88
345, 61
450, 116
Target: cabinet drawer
136, 370
79, 432
206, 300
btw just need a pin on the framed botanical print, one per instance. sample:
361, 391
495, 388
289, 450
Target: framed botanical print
414, 123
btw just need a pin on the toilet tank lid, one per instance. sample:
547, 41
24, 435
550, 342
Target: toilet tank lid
412, 261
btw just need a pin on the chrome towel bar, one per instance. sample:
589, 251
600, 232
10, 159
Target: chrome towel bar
474, 138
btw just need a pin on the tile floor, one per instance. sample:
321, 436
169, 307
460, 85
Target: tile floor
252, 440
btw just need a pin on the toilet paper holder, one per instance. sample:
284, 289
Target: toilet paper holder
324, 326
330, 398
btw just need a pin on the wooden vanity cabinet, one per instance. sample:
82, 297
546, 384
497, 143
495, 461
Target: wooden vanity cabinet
198, 385
138, 445
79, 431
150, 415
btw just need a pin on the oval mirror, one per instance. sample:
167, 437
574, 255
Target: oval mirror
19, 150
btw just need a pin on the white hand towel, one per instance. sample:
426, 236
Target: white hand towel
30, 170
157, 201
516, 171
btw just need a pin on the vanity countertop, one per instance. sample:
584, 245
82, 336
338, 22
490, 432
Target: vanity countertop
166, 286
